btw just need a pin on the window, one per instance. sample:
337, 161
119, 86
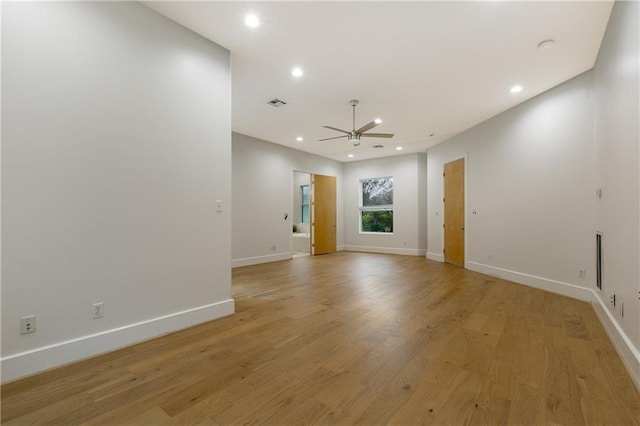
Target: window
376, 205
304, 197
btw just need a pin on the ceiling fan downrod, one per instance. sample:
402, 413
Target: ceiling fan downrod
354, 135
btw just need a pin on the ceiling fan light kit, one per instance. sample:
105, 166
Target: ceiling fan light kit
355, 135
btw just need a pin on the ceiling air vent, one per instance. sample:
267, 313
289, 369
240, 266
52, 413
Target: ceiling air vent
378, 146
276, 102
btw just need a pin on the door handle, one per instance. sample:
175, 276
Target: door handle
462, 227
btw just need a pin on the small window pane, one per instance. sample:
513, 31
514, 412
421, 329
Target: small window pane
377, 192
304, 195
377, 221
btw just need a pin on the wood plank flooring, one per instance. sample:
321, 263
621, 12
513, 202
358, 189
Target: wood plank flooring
353, 338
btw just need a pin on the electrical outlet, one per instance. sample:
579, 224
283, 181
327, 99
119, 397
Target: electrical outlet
582, 274
273, 247
613, 299
98, 310
28, 324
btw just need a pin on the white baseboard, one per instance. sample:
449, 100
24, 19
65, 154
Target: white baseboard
27, 363
435, 256
248, 261
340, 248
559, 287
387, 250
628, 353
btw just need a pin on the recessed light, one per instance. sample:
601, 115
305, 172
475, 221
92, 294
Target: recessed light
252, 21
377, 121
516, 89
297, 72
350, 155
547, 44
299, 139
398, 148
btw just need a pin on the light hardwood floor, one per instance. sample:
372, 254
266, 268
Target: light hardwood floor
353, 338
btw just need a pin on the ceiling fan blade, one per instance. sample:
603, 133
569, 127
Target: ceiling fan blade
336, 129
366, 127
377, 135
328, 139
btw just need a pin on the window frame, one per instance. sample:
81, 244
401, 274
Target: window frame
376, 208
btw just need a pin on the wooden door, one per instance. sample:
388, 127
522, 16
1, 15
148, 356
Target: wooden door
324, 214
454, 212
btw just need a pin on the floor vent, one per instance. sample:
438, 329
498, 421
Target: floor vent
276, 102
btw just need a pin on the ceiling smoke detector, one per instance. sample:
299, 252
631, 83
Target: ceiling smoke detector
547, 44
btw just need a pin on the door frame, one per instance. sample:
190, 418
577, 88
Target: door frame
466, 205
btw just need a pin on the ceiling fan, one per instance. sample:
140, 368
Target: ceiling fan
355, 135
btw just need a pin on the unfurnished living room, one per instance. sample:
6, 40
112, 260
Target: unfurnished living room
320, 212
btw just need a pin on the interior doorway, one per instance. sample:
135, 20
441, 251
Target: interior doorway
301, 229
454, 224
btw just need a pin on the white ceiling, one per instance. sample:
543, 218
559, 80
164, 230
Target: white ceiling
422, 67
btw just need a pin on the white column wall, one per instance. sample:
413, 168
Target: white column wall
116, 144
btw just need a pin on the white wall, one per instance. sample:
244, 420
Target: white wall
617, 164
529, 180
116, 142
262, 182
409, 204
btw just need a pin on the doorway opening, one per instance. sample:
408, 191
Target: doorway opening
301, 229
314, 216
